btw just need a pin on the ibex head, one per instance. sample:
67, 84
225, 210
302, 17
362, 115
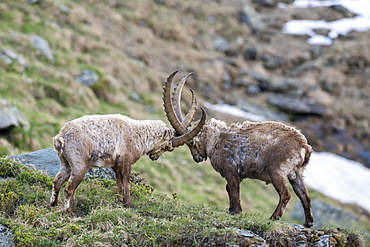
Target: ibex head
165, 144
180, 124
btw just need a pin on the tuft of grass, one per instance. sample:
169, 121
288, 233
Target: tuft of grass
9, 168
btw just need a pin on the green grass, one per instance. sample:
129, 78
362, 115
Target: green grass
101, 219
177, 173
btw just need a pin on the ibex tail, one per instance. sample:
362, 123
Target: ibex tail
58, 143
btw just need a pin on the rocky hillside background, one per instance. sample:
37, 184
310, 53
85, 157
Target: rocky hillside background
63, 59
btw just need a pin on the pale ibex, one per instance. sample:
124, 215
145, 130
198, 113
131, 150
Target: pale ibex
267, 151
110, 141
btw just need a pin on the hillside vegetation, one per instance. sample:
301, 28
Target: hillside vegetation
156, 219
130, 47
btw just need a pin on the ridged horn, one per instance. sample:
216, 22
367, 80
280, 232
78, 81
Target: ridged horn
184, 138
176, 96
168, 107
189, 117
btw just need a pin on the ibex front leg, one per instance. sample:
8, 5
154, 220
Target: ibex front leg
123, 172
233, 189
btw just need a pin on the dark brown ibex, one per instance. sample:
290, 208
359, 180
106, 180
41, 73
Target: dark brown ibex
267, 151
110, 141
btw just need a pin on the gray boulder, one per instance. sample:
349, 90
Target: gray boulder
88, 77
250, 17
44, 160
62, 8
11, 117
296, 105
47, 160
251, 238
10, 57
250, 53
220, 43
5, 237
272, 61
287, 86
42, 45
100, 173
291, 86
268, 114
264, 82
266, 3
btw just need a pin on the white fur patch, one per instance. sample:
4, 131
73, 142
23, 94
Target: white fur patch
303, 153
67, 203
53, 197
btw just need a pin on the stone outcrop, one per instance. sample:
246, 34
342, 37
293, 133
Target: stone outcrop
44, 160
88, 77
47, 160
11, 117
296, 105
42, 45
6, 237
9, 57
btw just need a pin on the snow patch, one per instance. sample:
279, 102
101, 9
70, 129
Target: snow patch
360, 23
235, 111
345, 180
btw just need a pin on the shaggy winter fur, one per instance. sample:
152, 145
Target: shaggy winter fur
106, 141
267, 151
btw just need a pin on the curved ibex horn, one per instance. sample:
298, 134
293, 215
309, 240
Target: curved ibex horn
181, 140
168, 107
189, 117
173, 115
176, 97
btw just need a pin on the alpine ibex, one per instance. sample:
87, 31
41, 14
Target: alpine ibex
267, 151
110, 141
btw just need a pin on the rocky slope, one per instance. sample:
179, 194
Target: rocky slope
236, 49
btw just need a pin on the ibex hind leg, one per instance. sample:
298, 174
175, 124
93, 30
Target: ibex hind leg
280, 183
61, 177
77, 174
301, 191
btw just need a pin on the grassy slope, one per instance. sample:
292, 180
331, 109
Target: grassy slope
132, 46
155, 220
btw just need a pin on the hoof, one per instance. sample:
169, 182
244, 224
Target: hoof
128, 205
275, 217
233, 212
308, 224
70, 212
